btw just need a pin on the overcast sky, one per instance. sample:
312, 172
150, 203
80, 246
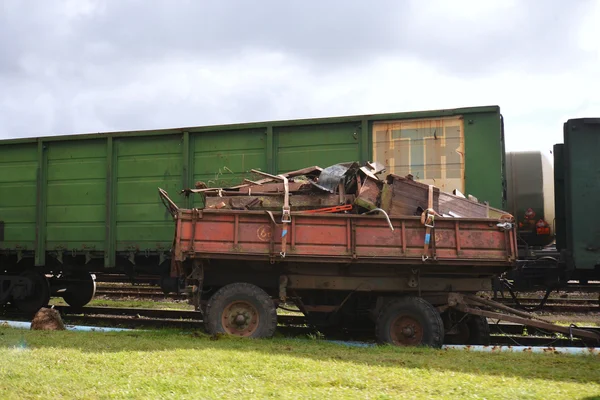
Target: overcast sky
104, 65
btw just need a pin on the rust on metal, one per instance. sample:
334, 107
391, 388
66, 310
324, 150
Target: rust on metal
321, 308
319, 236
386, 283
298, 202
236, 227
283, 282
471, 304
369, 194
335, 209
240, 318
406, 330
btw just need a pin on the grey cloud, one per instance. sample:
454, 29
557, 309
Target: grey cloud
64, 71
326, 34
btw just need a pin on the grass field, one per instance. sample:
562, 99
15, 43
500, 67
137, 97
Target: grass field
174, 364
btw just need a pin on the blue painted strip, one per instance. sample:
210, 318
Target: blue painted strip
595, 351
77, 328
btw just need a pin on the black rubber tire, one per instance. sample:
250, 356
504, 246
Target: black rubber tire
469, 330
479, 330
82, 292
241, 292
414, 308
40, 297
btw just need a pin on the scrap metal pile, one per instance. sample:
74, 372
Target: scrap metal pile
342, 188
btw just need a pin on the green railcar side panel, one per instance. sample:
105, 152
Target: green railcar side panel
484, 157
221, 159
18, 185
582, 184
560, 226
76, 195
321, 144
68, 185
143, 164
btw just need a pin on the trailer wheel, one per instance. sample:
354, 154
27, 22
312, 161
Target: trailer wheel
241, 309
40, 296
81, 291
479, 330
471, 330
410, 321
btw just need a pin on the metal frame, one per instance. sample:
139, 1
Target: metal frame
471, 304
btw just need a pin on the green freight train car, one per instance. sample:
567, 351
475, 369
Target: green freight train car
79, 204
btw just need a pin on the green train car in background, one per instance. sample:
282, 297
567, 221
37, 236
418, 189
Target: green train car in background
79, 204
559, 245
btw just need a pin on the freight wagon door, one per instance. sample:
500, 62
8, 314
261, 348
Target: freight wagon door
432, 150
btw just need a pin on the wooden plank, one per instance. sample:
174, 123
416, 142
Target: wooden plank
466, 208
274, 188
403, 196
303, 171
273, 203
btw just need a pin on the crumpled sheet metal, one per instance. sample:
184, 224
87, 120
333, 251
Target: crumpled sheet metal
330, 177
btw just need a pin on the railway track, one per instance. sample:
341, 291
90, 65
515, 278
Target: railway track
553, 305
290, 325
140, 292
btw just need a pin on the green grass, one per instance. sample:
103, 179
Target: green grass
174, 364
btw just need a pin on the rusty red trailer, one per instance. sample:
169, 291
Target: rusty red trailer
458, 245
412, 280
394, 274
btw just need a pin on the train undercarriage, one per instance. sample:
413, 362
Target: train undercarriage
32, 289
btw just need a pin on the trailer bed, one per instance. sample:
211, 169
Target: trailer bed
342, 238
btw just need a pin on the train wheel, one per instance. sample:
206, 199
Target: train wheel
410, 321
241, 309
40, 296
81, 290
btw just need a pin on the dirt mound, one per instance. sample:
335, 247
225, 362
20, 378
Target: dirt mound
47, 319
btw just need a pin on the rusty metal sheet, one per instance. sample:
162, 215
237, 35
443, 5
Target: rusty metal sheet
332, 176
432, 150
386, 283
369, 194
343, 238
